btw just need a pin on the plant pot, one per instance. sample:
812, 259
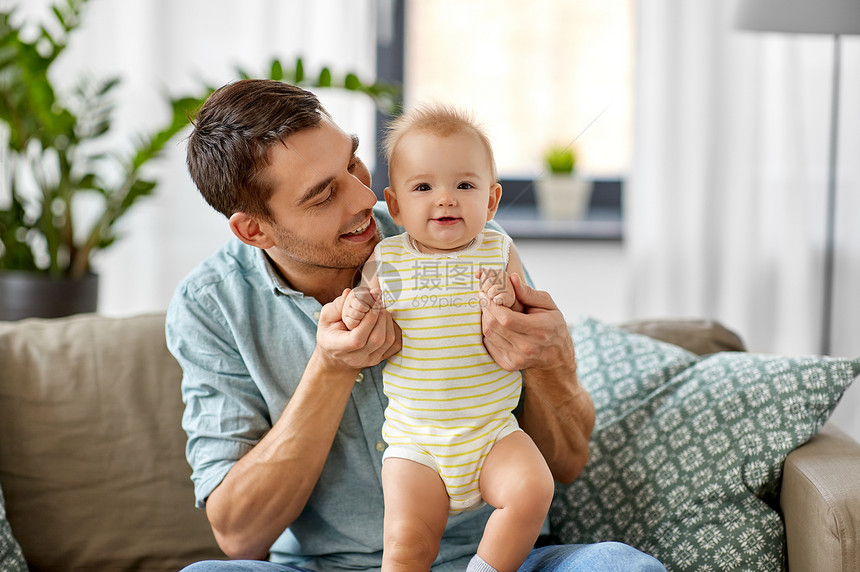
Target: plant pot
38, 295
563, 196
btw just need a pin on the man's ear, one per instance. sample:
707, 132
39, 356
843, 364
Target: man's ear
393, 205
493, 203
249, 230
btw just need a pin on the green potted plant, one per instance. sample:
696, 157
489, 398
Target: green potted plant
52, 155
561, 193
560, 160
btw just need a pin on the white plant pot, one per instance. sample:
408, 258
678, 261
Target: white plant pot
563, 196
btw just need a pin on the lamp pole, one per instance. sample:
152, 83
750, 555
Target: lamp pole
827, 294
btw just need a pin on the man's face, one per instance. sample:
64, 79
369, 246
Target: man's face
321, 203
442, 190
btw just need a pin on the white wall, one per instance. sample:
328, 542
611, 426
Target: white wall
583, 277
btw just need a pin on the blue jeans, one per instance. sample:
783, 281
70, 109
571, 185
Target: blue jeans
601, 557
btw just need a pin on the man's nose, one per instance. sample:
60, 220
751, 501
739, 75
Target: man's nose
361, 197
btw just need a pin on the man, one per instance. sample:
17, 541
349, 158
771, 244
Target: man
284, 404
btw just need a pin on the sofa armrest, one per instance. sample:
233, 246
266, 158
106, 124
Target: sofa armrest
820, 499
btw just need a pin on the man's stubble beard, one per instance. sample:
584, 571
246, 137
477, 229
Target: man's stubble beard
316, 256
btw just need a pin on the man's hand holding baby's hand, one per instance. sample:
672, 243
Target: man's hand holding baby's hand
537, 338
375, 337
357, 304
497, 287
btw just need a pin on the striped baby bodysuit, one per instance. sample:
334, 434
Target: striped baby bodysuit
449, 401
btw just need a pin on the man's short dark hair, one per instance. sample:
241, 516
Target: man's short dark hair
228, 148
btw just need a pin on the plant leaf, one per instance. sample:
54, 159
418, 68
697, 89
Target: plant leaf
351, 82
300, 71
324, 79
277, 72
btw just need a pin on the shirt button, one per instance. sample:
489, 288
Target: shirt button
360, 377
316, 316
380, 446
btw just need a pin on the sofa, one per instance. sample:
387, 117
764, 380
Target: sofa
94, 477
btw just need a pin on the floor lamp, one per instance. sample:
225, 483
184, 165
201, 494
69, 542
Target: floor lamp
836, 18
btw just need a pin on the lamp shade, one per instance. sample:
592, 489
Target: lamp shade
800, 16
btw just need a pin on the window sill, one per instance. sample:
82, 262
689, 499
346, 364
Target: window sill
519, 216
527, 223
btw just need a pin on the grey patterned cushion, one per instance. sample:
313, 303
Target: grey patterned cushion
687, 453
11, 559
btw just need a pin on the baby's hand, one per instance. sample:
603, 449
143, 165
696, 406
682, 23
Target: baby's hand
496, 285
358, 303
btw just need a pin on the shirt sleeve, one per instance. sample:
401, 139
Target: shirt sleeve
225, 413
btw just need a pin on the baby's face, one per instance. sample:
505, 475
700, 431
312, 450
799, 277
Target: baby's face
442, 191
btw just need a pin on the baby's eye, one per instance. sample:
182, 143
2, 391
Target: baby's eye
465, 185
422, 187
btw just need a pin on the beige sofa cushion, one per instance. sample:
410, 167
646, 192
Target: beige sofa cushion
91, 449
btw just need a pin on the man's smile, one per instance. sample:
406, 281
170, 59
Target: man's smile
366, 228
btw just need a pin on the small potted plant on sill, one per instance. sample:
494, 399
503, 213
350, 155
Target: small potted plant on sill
561, 192
50, 158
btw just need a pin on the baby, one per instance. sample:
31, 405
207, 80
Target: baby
453, 441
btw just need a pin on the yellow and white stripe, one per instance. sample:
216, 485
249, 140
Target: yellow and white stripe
448, 400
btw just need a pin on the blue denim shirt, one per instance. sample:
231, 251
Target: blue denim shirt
243, 337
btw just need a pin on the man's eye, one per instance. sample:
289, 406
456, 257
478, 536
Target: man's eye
353, 164
329, 198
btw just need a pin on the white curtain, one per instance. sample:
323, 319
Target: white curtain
160, 47
726, 202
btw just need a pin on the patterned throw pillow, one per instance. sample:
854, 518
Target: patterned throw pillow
688, 467
622, 369
11, 558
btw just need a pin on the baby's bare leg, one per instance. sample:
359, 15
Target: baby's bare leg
416, 511
517, 482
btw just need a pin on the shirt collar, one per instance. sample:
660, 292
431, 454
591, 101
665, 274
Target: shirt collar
277, 282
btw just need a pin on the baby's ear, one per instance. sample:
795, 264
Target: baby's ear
393, 205
493, 203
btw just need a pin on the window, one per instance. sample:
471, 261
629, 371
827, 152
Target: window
534, 73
